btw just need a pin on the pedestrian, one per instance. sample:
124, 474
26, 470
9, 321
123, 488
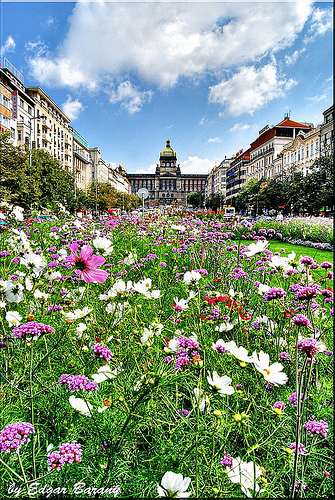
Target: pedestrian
280, 216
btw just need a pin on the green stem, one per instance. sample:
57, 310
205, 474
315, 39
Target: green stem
12, 471
24, 474
31, 396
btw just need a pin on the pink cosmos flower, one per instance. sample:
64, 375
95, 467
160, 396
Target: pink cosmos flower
86, 264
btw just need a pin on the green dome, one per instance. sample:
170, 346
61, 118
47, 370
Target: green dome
168, 151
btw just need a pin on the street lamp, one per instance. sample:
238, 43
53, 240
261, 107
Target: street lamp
30, 143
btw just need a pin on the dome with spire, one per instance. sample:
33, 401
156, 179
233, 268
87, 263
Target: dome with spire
168, 151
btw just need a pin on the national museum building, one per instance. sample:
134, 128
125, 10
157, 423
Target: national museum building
168, 186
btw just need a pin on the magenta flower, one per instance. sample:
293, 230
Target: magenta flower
86, 264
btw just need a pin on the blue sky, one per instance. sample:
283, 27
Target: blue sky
207, 75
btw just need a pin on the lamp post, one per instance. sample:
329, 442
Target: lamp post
30, 142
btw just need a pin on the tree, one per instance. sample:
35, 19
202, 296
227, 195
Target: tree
194, 199
14, 183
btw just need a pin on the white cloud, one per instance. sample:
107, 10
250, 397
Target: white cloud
321, 22
317, 98
215, 139
196, 165
292, 59
150, 170
162, 42
131, 99
239, 126
8, 46
203, 120
72, 108
250, 89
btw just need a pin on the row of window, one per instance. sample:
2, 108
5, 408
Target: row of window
300, 154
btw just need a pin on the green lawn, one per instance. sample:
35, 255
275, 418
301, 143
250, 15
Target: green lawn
318, 255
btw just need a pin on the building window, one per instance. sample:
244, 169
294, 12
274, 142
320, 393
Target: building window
302, 153
30, 111
316, 146
307, 152
19, 135
312, 149
21, 103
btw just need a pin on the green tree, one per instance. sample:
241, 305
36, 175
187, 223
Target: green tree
194, 199
14, 182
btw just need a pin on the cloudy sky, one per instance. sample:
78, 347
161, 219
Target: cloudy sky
208, 75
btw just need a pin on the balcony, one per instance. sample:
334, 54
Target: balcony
46, 124
47, 138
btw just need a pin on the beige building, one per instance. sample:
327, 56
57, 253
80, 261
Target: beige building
81, 161
51, 128
269, 144
217, 180
298, 155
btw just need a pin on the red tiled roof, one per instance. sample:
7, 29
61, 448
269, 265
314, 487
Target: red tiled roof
290, 123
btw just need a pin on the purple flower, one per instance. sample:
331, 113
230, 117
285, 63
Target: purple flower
68, 454
31, 330
293, 399
280, 404
227, 460
301, 320
326, 265
284, 356
308, 346
274, 293
102, 351
13, 436
308, 292
313, 427
308, 261
78, 383
301, 448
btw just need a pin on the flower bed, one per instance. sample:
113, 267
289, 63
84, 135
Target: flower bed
301, 230
145, 357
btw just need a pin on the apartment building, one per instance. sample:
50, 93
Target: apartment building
327, 132
297, 155
82, 163
99, 167
118, 179
269, 144
51, 128
236, 175
17, 113
217, 180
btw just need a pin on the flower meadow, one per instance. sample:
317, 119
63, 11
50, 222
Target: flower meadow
163, 356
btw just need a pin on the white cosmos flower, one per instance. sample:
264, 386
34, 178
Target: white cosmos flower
130, 259
191, 277
31, 260
77, 313
154, 294
81, 406
104, 244
118, 288
180, 304
261, 289
174, 485
221, 384
105, 373
13, 318
41, 295
245, 473
142, 286
272, 373
201, 400
254, 248
239, 352
81, 327
178, 228
225, 327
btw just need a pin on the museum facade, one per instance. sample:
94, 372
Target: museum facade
168, 186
